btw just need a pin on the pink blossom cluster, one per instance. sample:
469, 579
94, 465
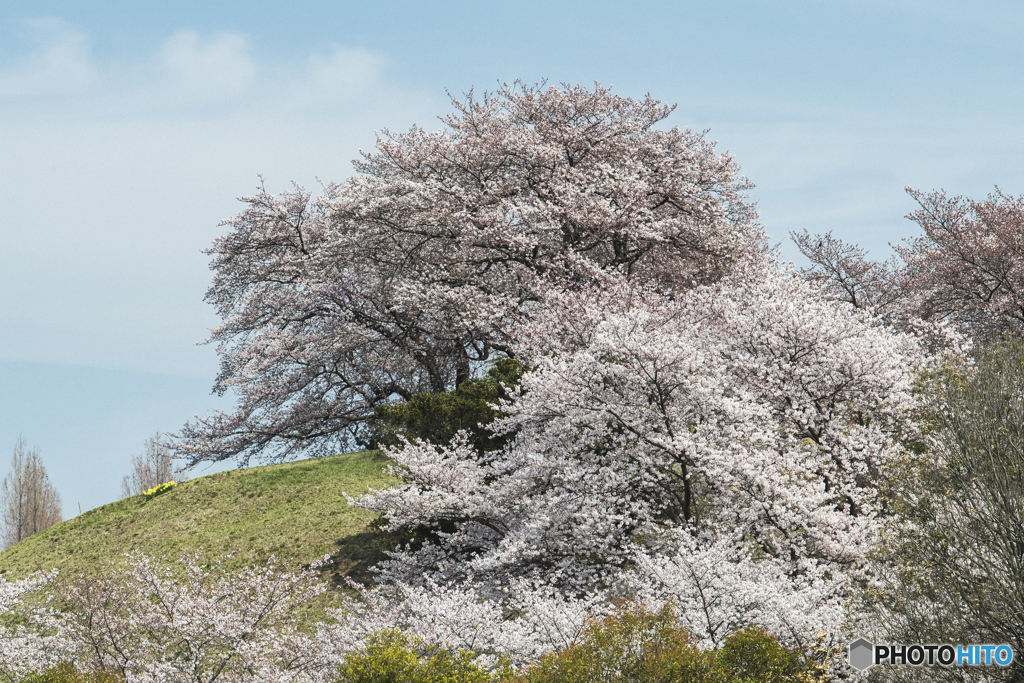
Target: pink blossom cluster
467, 617
201, 623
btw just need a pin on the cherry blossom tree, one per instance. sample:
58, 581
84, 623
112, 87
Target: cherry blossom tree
844, 273
32, 636
147, 622
399, 280
968, 266
965, 271
756, 412
699, 428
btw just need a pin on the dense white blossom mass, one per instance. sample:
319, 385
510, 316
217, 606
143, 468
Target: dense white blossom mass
746, 421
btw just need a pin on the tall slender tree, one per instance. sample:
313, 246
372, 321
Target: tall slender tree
30, 503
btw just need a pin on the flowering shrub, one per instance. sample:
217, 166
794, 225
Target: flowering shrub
464, 618
157, 490
199, 623
203, 624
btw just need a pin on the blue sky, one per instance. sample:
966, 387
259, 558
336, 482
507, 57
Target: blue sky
127, 130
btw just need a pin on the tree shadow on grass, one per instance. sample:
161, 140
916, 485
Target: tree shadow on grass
354, 558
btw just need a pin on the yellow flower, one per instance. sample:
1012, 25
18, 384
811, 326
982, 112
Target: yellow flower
156, 490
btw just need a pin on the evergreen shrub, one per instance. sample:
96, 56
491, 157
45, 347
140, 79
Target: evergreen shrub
437, 417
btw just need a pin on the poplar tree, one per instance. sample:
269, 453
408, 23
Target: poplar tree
30, 503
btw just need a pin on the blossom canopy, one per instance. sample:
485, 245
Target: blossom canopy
396, 281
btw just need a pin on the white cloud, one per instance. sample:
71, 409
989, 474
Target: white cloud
60, 64
189, 71
201, 69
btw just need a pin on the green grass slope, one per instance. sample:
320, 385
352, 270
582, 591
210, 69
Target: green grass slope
295, 511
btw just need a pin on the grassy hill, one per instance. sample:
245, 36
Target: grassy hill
295, 511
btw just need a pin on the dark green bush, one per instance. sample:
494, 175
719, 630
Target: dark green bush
636, 646
393, 657
437, 417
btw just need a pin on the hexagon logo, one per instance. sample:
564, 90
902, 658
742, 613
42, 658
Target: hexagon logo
861, 654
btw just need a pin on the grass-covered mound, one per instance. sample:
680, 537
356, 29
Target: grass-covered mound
295, 511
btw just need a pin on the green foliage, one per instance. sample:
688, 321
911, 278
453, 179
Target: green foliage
437, 417
393, 657
953, 550
632, 645
752, 656
66, 673
639, 647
